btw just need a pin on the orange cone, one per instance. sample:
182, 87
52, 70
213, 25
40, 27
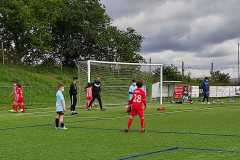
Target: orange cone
161, 108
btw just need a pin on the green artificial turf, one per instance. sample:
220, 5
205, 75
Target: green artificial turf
206, 132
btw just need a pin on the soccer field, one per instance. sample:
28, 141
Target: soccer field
206, 132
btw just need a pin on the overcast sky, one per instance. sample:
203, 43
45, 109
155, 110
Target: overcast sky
196, 31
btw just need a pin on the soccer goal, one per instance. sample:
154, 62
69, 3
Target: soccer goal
116, 78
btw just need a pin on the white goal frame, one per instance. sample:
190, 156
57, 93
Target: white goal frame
133, 64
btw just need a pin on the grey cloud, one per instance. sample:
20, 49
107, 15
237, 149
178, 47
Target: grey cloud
202, 29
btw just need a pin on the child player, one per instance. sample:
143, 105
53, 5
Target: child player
138, 105
60, 107
88, 95
20, 99
14, 96
131, 90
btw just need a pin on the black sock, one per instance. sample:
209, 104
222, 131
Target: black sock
62, 125
57, 122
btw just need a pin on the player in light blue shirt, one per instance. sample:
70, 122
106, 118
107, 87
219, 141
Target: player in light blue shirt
60, 107
131, 89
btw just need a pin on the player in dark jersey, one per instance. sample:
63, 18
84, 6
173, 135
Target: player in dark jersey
96, 93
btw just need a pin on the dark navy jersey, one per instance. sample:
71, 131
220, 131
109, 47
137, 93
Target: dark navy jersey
73, 89
96, 87
205, 86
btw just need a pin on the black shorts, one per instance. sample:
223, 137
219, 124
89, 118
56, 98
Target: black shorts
60, 113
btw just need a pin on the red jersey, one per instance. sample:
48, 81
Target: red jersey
138, 99
14, 92
89, 93
19, 92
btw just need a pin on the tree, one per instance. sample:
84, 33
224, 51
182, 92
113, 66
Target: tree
64, 31
170, 72
218, 76
116, 45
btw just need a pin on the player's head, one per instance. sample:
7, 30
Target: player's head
206, 78
134, 82
75, 79
19, 85
98, 78
60, 87
139, 84
14, 81
89, 84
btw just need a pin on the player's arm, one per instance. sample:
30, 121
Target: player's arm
63, 104
144, 100
100, 88
130, 101
130, 90
71, 89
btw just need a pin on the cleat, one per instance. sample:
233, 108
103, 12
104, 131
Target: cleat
126, 130
142, 131
63, 128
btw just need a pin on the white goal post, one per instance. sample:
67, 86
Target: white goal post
116, 77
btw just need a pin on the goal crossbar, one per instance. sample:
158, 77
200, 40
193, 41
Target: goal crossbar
124, 63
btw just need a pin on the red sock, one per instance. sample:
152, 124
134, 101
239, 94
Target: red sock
142, 123
129, 122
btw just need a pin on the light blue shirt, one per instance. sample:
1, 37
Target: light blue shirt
59, 99
131, 89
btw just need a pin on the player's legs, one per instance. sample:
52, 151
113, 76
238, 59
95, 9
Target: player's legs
74, 102
88, 100
61, 121
207, 97
142, 121
22, 106
57, 120
14, 106
91, 102
71, 99
130, 119
99, 101
204, 97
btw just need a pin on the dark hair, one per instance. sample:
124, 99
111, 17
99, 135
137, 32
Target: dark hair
19, 85
139, 84
60, 85
88, 85
133, 80
206, 78
75, 78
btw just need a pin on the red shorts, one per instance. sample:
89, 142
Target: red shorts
137, 111
20, 101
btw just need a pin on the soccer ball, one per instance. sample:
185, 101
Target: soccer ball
127, 109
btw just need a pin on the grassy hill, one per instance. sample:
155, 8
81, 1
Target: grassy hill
39, 83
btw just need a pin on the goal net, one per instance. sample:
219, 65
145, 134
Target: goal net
116, 77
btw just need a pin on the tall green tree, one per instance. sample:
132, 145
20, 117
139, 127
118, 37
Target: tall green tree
64, 30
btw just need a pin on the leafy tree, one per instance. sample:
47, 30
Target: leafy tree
170, 72
218, 76
64, 30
